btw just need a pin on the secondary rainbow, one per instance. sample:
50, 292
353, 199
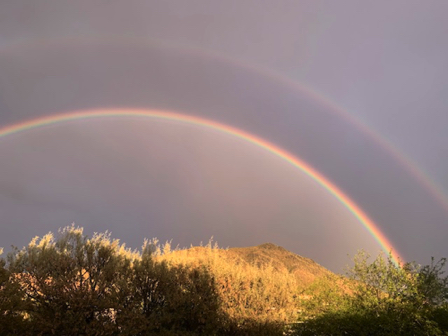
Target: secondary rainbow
368, 223
411, 167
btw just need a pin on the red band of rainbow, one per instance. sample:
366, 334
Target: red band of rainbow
371, 227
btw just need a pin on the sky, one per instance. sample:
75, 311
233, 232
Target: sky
357, 90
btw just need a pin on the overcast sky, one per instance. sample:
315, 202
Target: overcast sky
356, 89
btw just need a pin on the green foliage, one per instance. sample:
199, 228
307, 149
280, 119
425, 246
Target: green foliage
323, 295
384, 298
432, 284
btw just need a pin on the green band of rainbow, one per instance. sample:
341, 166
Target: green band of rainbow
371, 227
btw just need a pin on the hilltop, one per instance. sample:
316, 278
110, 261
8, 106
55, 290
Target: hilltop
305, 270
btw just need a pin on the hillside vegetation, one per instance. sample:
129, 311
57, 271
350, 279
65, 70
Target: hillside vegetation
261, 285
71, 284
266, 256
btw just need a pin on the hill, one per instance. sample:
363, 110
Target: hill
96, 282
305, 270
265, 283
76, 285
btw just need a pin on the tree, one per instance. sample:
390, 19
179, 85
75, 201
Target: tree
69, 283
76, 285
172, 299
12, 305
432, 284
386, 298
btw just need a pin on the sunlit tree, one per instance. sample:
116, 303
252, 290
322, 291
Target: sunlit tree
71, 284
71, 281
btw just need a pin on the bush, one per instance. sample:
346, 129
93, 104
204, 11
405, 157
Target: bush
384, 298
75, 285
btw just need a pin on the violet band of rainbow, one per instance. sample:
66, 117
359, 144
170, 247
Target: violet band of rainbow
307, 169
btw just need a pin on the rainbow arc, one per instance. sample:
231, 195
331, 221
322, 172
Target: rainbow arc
307, 169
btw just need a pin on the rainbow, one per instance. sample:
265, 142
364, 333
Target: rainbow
411, 167
371, 227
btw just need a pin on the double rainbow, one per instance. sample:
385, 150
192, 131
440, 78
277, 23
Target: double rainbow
371, 227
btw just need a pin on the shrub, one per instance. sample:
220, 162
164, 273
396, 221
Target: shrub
385, 298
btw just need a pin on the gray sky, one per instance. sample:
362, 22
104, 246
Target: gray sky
249, 64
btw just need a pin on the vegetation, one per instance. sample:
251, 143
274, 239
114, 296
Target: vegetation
75, 285
71, 284
382, 298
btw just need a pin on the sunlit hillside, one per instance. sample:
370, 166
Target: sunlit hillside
266, 283
253, 290
266, 256
71, 284
304, 269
